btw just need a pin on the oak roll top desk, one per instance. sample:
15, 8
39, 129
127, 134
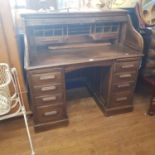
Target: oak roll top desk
103, 46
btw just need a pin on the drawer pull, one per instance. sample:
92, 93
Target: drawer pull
123, 85
48, 77
121, 99
48, 88
53, 98
127, 66
125, 76
51, 113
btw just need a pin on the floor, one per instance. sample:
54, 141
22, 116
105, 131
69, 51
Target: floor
89, 132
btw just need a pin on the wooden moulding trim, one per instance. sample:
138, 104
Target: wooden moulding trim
105, 13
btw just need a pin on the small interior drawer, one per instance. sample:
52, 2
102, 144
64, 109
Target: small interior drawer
50, 113
47, 89
125, 86
121, 99
52, 99
46, 77
124, 77
126, 66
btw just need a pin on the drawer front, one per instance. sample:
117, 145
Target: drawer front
124, 77
50, 113
126, 66
49, 100
121, 99
47, 89
46, 77
126, 86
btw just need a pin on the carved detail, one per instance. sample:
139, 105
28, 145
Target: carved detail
133, 39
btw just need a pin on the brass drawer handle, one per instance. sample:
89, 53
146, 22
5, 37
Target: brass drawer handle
48, 77
123, 85
121, 99
48, 88
127, 66
125, 76
51, 113
53, 98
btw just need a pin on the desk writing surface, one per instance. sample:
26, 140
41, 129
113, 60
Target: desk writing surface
61, 57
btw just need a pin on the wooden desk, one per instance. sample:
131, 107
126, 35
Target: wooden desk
108, 65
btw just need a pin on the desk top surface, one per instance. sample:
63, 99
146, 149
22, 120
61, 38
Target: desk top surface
60, 58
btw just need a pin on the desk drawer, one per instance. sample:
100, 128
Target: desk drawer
50, 113
121, 99
46, 77
126, 86
49, 100
126, 66
124, 77
47, 89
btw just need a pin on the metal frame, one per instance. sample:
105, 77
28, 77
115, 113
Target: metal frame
8, 77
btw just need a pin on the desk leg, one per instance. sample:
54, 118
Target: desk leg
151, 110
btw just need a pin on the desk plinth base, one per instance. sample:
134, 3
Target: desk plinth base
110, 111
51, 125
118, 110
